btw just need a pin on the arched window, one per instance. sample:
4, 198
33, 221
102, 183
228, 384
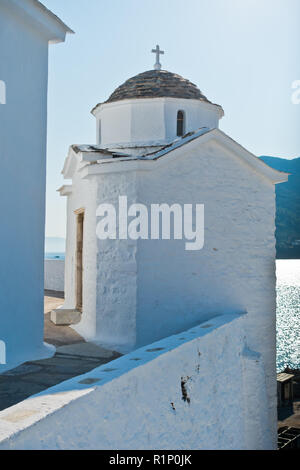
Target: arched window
180, 123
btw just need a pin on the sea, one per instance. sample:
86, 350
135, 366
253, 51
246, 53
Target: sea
55, 255
288, 314
288, 311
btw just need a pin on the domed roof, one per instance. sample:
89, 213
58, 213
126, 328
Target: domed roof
157, 84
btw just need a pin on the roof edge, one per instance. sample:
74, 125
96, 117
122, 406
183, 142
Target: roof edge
52, 15
40, 17
65, 190
128, 100
203, 134
275, 176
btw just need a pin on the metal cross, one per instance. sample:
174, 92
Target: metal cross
158, 52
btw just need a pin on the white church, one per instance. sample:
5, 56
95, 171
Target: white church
159, 142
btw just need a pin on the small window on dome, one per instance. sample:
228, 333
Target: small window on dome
180, 123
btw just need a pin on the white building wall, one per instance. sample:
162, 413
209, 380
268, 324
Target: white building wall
83, 196
109, 275
234, 272
189, 391
150, 289
23, 121
151, 121
114, 120
148, 120
196, 114
116, 272
55, 275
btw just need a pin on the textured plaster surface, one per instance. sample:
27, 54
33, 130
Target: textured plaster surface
189, 391
141, 291
54, 275
154, 120
25, 29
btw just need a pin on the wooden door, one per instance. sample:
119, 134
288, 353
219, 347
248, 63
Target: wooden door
79, 259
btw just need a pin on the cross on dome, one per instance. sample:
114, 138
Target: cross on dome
158, 52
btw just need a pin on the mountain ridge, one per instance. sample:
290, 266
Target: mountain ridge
287, 207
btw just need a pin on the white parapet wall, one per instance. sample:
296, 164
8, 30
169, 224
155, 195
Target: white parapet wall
195, 390
55, 275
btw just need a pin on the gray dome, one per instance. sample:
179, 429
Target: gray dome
157, 84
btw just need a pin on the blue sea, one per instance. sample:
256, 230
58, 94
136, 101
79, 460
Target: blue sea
288, 314
54, 255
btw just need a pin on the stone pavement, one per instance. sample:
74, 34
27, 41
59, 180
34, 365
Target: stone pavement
73, 357
53, 334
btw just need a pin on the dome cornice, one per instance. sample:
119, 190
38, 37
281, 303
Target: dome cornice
156, 84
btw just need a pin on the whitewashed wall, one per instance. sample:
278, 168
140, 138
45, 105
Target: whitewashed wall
83, 196
234, 272
139, 292
55, 275
196, 390
147, 121
25, 29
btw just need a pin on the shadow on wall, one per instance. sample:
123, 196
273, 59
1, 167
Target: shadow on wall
178, 395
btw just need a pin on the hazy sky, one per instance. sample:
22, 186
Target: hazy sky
243, 54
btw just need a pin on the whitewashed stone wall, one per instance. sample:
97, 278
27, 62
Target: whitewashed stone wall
117, 271
235, 271
55, 275
139, 292
195, 390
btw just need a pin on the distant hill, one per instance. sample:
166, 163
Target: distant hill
288, 208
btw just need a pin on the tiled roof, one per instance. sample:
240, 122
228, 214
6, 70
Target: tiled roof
97, 149
157, 84
96, 161
148, 155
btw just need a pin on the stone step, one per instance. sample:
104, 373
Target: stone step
65, 316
